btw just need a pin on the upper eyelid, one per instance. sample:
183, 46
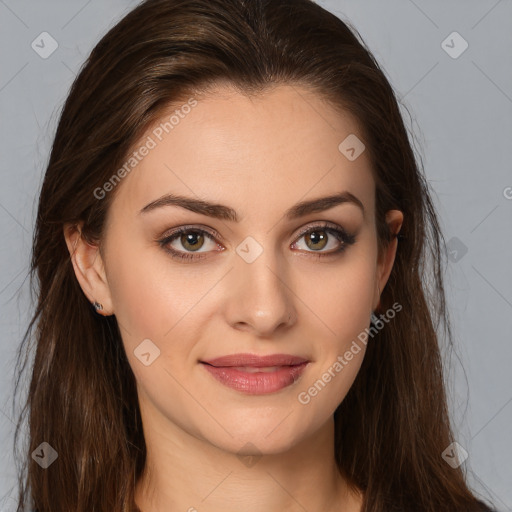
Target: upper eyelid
327, 225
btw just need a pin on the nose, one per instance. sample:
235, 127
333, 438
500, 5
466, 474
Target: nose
261, 300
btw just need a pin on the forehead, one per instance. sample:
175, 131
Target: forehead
258, 154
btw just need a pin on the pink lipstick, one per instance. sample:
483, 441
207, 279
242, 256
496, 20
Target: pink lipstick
255, 375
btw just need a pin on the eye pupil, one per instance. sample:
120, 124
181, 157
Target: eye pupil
315, 238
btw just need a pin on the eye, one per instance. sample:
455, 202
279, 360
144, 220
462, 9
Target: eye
191, 239
317, 238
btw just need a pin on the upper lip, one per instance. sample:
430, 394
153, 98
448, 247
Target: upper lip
253, 360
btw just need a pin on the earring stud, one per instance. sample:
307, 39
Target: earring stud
97, 306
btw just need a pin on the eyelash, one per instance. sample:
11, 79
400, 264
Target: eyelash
339, 233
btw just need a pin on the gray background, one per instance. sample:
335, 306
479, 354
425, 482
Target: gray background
461, 115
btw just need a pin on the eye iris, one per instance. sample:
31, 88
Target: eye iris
192, 239
314, 237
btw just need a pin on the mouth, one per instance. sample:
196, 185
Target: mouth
254, 375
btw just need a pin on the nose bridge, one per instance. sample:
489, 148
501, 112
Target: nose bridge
262, 297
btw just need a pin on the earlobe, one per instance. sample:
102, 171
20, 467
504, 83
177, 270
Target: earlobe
89, 269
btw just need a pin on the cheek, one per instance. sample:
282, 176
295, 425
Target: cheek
342, 313
155, 299
147, 299
341, 297
340, 307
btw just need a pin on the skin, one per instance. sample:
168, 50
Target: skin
259, 156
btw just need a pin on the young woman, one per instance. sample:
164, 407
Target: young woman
239, 276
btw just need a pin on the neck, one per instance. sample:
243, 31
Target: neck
185, 473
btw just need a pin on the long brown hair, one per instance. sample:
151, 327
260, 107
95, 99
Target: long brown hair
393, 425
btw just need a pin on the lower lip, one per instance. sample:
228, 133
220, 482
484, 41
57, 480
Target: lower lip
257, 383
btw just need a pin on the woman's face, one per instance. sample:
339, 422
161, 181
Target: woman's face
254, 285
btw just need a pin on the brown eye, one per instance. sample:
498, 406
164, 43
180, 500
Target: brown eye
185, 241
192, 241
316, 240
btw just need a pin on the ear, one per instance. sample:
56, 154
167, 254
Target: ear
394, 220
89, 268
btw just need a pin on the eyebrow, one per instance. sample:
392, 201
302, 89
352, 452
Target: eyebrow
223, 212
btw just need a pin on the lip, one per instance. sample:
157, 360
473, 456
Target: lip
229, 370
256, 361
